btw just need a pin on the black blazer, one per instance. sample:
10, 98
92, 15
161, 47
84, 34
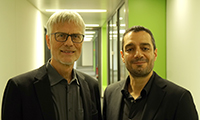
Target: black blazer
166, 101
28, 97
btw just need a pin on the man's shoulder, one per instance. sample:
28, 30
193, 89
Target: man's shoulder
27, 76
118, 83
86, 77
169, 85
116, 86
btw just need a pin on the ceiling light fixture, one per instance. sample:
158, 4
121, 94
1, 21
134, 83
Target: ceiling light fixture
77, 10
89, 36
87, 39
92, 25
89, 32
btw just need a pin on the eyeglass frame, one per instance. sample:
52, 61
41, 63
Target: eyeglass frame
67, 37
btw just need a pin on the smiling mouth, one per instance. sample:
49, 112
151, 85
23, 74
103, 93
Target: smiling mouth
67, 51
139, 63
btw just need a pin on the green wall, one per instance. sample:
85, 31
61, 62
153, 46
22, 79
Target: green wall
104, 56
151, 14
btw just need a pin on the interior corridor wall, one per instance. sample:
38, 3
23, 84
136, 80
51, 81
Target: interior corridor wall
104, 58
22, 39
87, 54
183, 40
151, 14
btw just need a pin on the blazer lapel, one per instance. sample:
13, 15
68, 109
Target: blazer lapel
85, 93
43, 91
155, 98
117, 103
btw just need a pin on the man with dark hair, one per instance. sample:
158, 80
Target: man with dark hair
144, 95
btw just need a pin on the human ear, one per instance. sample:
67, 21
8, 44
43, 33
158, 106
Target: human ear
48, 41
122, 56
155, 54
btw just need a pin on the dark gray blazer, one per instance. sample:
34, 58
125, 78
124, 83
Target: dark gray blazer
166, 101
28, 97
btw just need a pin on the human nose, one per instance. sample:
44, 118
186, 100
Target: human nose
68, 41
138, 53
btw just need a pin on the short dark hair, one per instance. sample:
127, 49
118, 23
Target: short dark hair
138, 29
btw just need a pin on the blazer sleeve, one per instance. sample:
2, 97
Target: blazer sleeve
104, 105
98, 102
11, 102
186, 109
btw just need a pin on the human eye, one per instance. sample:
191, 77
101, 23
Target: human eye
129, 49
145, 48
60, 35
77, 36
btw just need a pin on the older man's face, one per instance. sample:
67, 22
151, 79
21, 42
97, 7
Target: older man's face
67, 52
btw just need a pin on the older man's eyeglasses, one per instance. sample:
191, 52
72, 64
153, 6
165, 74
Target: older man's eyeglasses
62, 37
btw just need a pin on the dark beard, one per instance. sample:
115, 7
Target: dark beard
140, 73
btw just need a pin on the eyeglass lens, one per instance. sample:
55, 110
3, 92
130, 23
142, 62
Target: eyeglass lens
63, 37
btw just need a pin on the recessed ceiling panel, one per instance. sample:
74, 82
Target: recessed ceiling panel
89, 18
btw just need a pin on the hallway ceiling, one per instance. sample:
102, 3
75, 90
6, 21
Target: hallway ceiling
89, 18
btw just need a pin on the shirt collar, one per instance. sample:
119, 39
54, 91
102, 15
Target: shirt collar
55, 77
145, 90
149, 83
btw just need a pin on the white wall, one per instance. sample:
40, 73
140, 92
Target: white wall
21, 39
87, 54
183, 45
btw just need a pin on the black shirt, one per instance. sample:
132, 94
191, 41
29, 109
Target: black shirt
133, 109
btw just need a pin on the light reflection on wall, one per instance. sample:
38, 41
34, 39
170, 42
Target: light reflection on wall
39, 41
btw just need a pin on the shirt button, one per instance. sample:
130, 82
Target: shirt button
133, 101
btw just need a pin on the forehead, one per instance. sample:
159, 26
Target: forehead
67, 27
137, 38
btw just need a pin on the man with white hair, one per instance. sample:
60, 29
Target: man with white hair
55, 91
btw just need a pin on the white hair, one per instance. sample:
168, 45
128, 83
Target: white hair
64, 16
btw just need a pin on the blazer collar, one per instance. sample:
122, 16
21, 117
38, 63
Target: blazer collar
43, 91
118, 102
86, 96
156, 96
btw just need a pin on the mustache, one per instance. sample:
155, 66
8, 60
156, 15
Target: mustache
139, 60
